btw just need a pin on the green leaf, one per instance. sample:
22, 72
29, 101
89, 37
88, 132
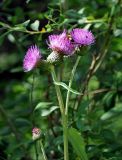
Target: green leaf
21, 26
24, 24
3, 36
22, 122
82, 21
77, 142
46, 112
109, 100
81, 11
112, 113
5, 131
93, 83
35, 25
11, 38
117, 32
42, 105
4, 25
66, 87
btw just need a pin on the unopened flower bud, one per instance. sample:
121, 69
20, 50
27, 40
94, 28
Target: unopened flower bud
36, 132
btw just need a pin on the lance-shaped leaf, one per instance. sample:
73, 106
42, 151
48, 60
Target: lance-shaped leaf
77, 142
67, 87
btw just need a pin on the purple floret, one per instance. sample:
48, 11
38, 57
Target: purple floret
31, 58
82, 37
61, 44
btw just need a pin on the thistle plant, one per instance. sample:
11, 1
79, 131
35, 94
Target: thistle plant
66, 101
63, 44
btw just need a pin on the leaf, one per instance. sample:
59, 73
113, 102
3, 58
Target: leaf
87, 26
109, 100
42, 105
24, 24
22, 122
3, 36
35, 26
117, 32
11, 38
47, 112
4, 25
93, 83
5, 131
77, 142
17, 69
21, 26
66, 87
112, 113
28, 1
82, 21
81, 11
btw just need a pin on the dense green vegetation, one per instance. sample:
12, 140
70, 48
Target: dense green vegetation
29, 99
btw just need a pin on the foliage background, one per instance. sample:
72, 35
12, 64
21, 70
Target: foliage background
99, 115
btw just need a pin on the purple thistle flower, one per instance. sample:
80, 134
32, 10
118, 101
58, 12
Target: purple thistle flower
31, 58
61, 44
82, 37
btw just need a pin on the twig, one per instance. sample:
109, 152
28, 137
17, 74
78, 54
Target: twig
88, 77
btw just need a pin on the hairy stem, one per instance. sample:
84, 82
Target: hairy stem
59, 96
64, 117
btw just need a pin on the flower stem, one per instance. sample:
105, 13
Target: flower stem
64, 117
43, 151
36, 151
70, 83
65, 134
59, 96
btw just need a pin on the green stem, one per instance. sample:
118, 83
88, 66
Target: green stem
59, 96
43, 151
32, 99
36, 151
64, 117
63, 5
70, 83
65, 134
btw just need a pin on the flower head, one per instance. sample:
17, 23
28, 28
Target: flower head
36, 133
82, 37
61, 44
31, 58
